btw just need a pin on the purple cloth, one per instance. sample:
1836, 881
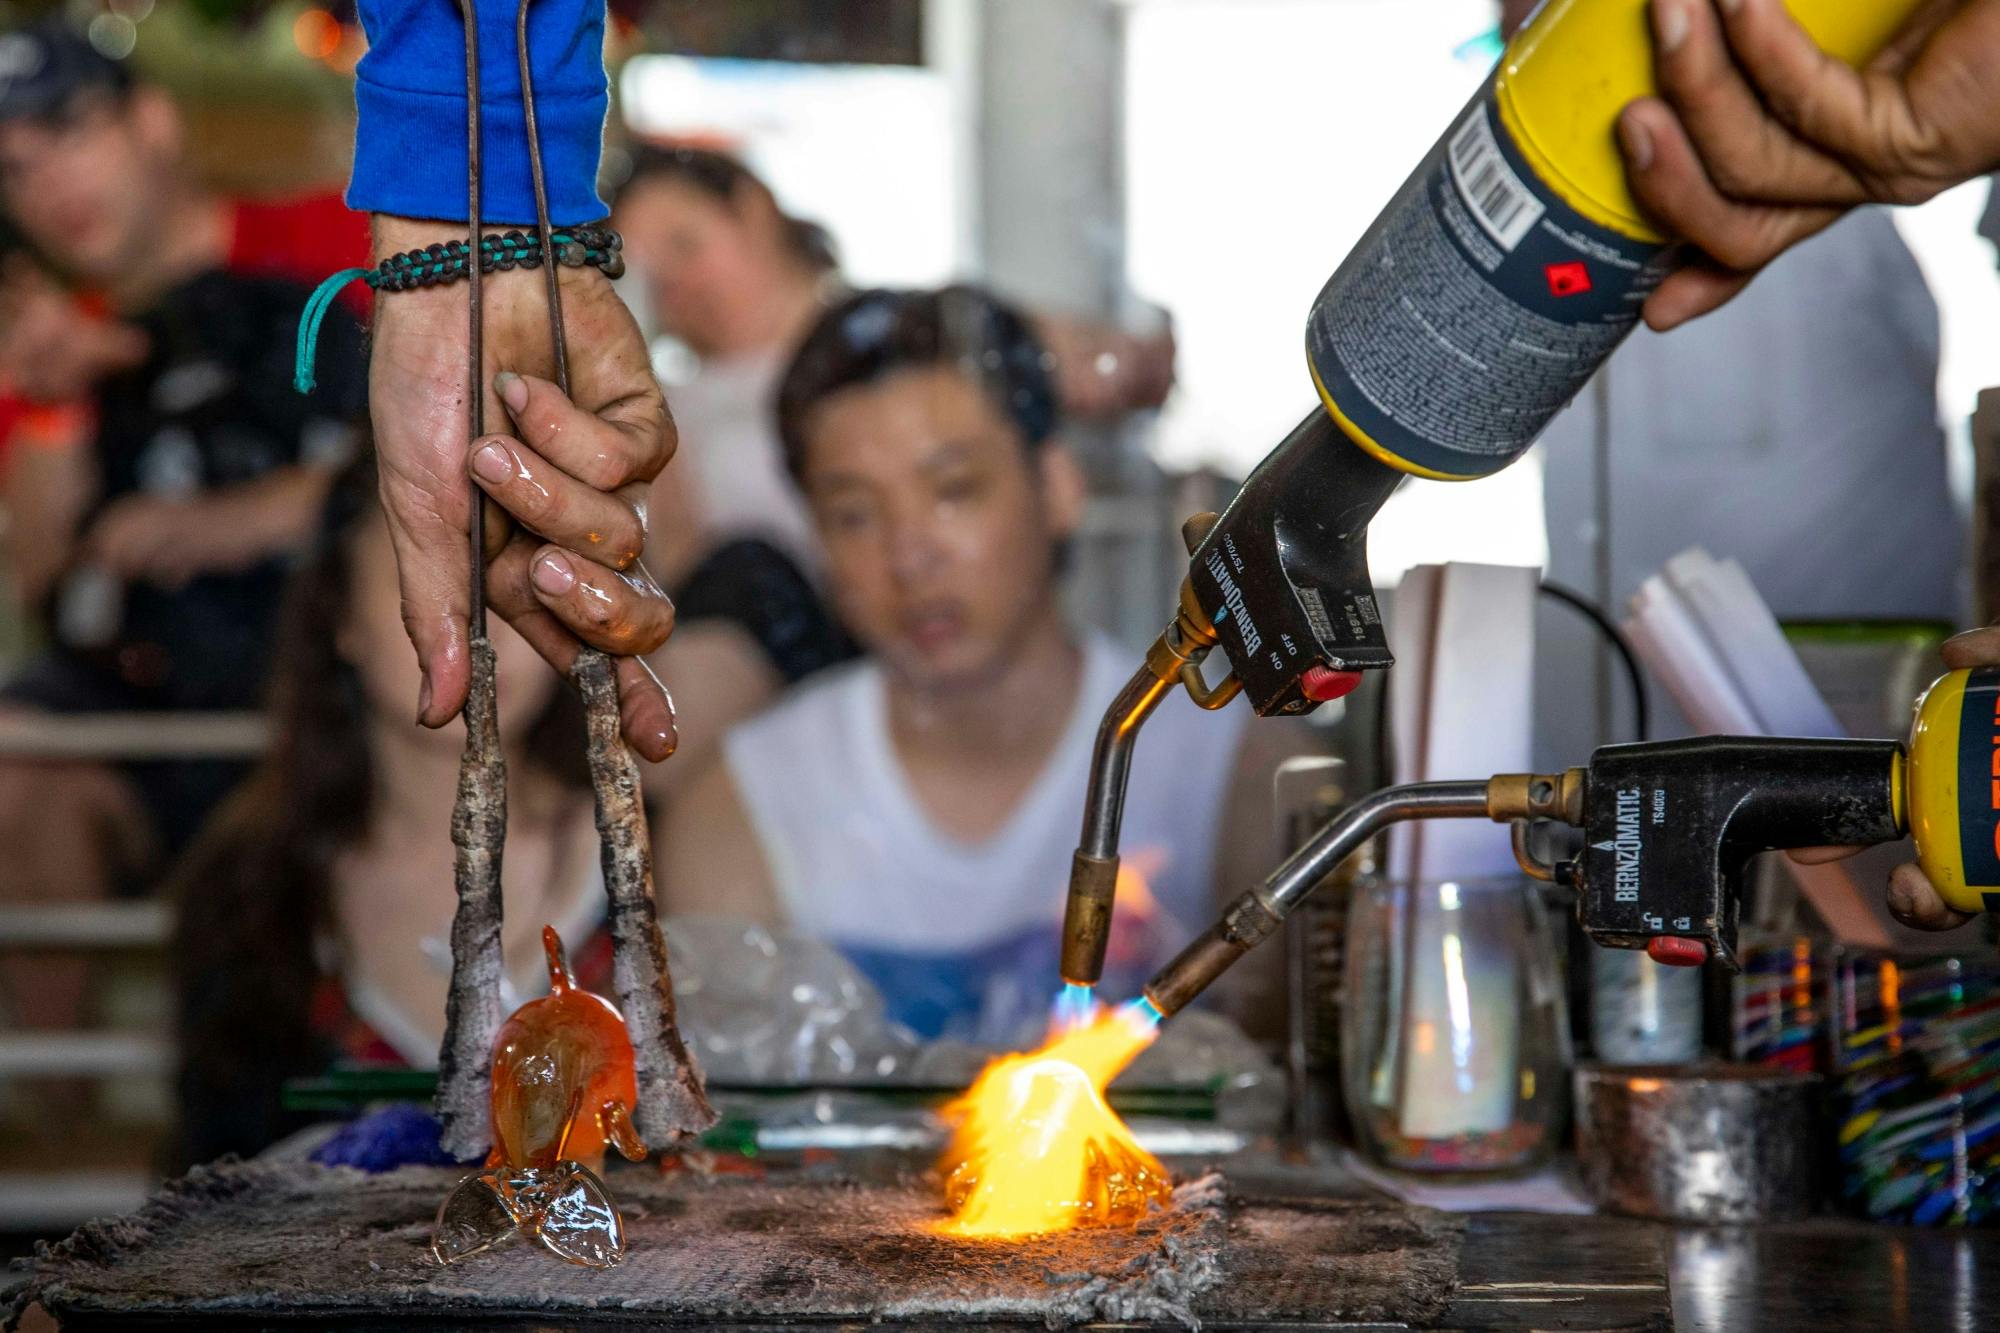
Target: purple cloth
401, 1134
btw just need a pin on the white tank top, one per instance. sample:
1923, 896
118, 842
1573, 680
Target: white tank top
962, 937
727, 417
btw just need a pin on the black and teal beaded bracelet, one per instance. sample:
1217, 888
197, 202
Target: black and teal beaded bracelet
576, 247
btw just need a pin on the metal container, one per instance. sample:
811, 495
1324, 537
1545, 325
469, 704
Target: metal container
1700, 1143
1641, 1012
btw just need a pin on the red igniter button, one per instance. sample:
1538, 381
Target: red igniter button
1323, 684
1676, 951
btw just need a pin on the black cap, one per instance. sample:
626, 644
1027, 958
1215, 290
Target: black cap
43, 66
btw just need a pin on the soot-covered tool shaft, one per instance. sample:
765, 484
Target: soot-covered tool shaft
479, 815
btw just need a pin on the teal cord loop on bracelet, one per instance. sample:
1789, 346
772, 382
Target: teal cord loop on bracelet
577, 247
312, 318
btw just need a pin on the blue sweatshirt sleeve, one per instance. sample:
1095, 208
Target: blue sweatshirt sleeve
409, 92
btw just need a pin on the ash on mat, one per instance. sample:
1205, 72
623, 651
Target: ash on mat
245, 1241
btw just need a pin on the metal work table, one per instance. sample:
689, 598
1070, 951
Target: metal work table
1525, 1271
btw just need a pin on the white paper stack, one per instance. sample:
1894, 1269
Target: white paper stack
1716, 646
1704, 633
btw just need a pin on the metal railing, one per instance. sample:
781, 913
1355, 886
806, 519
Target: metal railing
105, 736
52, 1199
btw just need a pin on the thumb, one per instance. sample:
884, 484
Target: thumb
1974, 648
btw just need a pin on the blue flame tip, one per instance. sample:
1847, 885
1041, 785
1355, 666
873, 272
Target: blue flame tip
1075, 1006
1145, 1011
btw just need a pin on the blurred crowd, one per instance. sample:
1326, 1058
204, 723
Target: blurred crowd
884, 715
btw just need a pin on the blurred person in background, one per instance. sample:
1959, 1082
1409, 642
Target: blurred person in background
58, 341
160, 550
738, 282
918, 808
316, 908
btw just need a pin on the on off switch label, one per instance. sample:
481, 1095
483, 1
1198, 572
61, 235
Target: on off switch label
1475, 308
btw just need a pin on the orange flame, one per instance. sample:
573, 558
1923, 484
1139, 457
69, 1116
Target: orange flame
1135, 894
1038, 1149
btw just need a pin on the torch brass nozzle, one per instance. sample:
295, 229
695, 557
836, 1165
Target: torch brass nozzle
1248, 923
1093, 886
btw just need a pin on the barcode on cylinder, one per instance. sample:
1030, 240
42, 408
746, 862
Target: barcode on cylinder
1505, 207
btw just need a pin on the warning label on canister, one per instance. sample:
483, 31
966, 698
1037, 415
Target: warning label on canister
1475, 308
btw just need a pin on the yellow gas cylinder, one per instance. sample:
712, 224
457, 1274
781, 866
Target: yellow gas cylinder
1515, 260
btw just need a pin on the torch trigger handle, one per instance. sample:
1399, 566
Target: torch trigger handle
1533, 866
1205, 696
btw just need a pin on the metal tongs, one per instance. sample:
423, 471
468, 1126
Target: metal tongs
672, 1104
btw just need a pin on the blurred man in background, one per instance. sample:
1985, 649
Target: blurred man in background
738, 282
917, 809
162, 547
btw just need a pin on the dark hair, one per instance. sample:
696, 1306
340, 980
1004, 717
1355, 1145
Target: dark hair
47, 67
255, 891
724, 178
871, 335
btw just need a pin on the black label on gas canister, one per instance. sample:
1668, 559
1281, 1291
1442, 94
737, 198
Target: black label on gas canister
1979, 777
1476, 307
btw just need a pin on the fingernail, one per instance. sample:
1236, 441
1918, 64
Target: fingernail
424, 699
656, 744
492, 463
554, 576
1730, 6
1670, 25
513, 390
1638, 141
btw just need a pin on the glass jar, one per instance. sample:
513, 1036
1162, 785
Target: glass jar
1455, 1032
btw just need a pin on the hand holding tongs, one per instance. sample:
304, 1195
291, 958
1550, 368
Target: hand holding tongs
672, 1104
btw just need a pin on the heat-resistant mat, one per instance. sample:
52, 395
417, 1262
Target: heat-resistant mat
256, 1241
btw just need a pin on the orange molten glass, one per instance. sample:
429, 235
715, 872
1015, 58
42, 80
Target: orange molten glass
563, 1084
1038, 1149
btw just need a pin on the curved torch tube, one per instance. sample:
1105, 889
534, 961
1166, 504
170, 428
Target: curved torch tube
1093, 875
1256, 916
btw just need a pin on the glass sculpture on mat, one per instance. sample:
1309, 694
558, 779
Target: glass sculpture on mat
563, 1088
